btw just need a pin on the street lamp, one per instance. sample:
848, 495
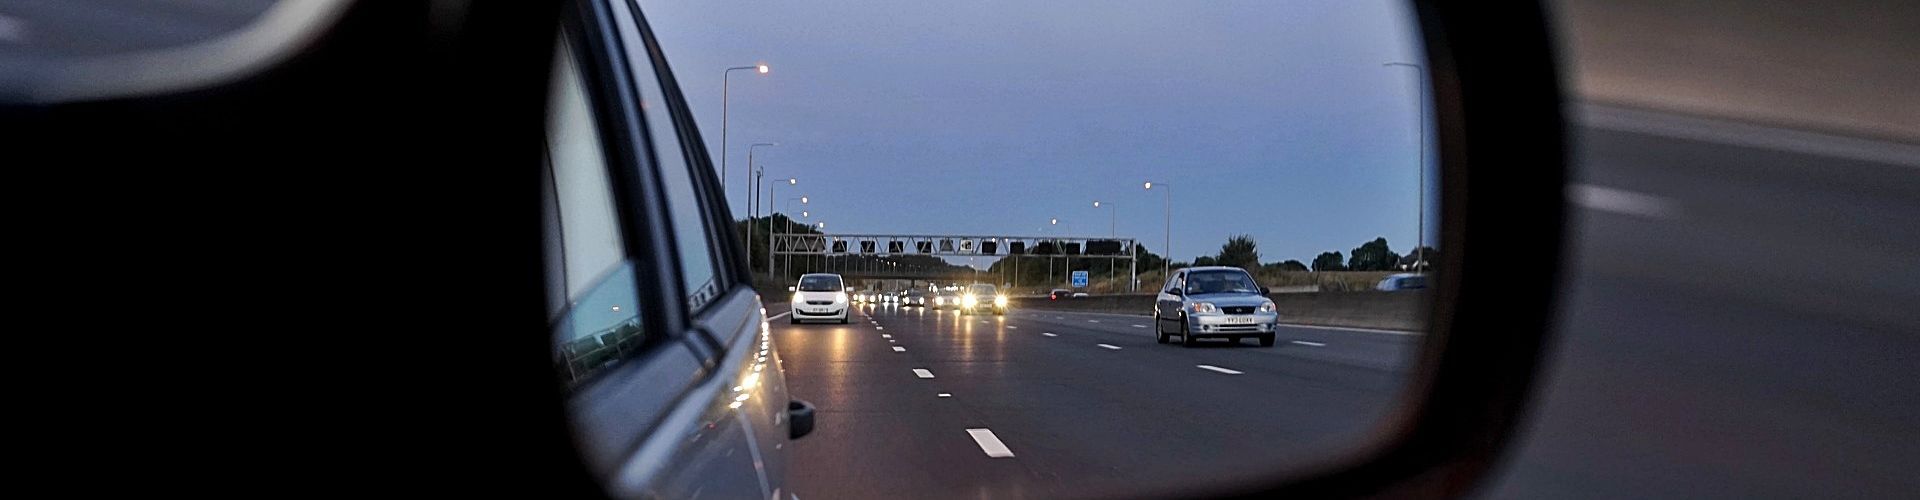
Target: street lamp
770, 196
752, 204
725, 82
1113, 231
1166, 263
1420, 237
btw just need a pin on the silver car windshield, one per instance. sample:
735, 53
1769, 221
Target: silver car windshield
1224, 281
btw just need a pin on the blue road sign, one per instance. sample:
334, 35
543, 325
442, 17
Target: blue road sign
1079, 279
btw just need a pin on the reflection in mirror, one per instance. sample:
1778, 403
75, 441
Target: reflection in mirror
1208, 225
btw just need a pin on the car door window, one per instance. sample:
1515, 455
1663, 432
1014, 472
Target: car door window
598, 321
693, 237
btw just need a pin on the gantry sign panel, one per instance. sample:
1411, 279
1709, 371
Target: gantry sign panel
951, 245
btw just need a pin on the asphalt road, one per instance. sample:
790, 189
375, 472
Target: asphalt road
1088, 405
1739, 321
1742, 321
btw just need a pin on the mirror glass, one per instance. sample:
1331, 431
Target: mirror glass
1078, 158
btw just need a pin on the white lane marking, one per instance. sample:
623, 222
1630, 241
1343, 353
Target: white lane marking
944, 395
1059, 317
1351, 329
777, 316
990, 443
1218, 369
1138, 326
1747, 134
1109, 346
1315, 344
889, 341
1011, 327
922, 373
1049, 334
985, 322
879, 328
1093, 321
1621, 201
885, 336
899, 349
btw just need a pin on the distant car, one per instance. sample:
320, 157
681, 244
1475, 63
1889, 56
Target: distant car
1218, 302
1079, 295
946, 299
913, 298
982, 296
820, 297
1402, 282
1059, 293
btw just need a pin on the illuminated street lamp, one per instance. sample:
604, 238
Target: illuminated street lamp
725, 82
1166, 263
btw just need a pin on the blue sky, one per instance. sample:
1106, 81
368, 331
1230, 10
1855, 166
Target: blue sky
1271, 118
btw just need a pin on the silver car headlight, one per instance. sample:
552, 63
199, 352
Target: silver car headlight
1267, 307
1203, 308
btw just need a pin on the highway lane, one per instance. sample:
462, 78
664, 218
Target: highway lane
1740, 323
1085, 408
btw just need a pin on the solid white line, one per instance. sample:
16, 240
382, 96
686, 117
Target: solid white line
1109, 346
1746, 134
990, 443
943, 395
1138, 326
899, 349
1621, 201
922, 373
1218, 369
1049, 334
1315, 344
777, 316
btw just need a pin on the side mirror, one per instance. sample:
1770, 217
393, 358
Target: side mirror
790, 289
1176, 292
1266, 291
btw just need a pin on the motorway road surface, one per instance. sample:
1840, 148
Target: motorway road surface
1739, 322
1075, 404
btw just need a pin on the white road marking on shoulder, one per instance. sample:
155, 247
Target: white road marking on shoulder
922, 373
1138, 326
1049, 334
1218, 369
1109, 346
777, 316
990, 443
899, 349
1315, 344
1621, 201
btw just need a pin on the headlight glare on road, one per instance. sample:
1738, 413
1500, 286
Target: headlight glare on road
969, 301
1267, 307
1204, 308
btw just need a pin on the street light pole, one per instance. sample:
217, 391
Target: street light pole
1113, 232
1420, 237
770, 197
1166, 264
726, 82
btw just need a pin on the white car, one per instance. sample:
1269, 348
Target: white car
818, 297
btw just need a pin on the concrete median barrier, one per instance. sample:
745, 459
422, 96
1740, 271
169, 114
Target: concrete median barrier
1364, 309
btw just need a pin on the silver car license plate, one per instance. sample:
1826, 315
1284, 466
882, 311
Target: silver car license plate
1240, 320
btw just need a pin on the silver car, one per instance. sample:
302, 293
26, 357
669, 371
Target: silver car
1216, 302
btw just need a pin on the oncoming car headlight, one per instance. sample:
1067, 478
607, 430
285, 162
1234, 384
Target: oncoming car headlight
969, 301
1204, 308
1000, 300
1267, 307
839, 297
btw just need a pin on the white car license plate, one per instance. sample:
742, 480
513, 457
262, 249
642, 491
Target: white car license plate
1239, 320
